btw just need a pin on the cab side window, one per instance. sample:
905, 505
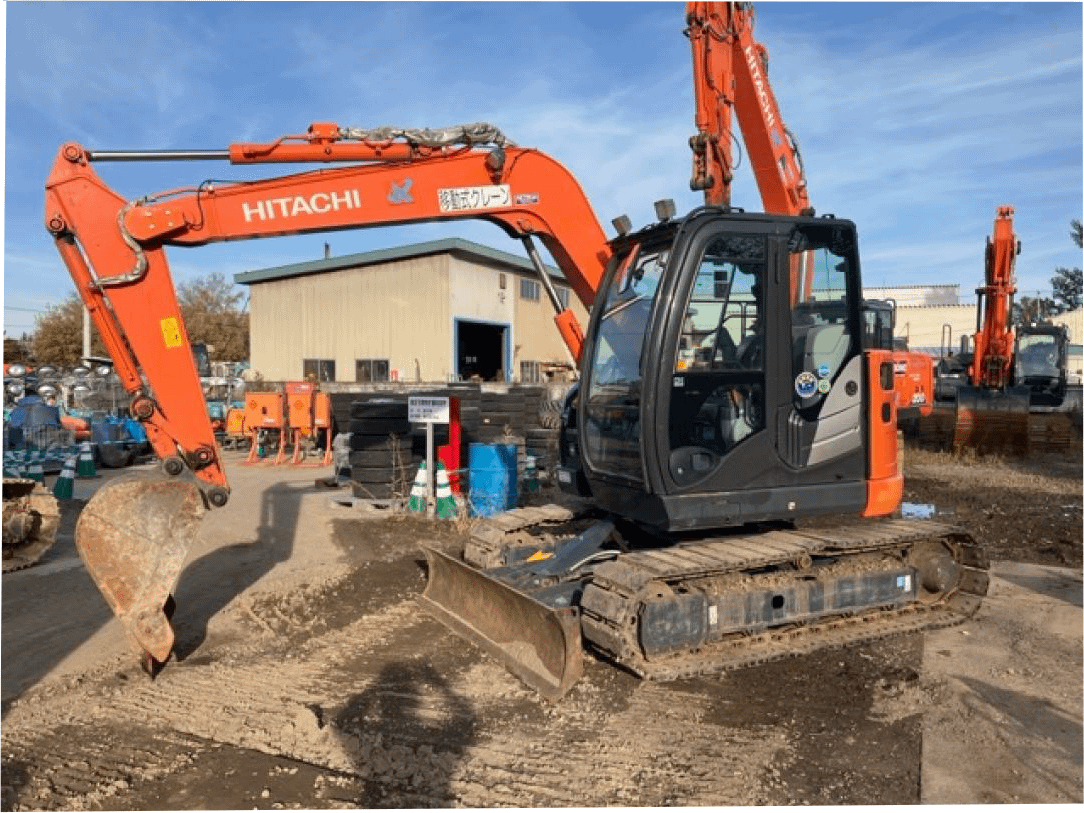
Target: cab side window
717, 394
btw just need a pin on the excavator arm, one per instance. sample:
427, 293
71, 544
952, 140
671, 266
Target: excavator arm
993, 339
135, 534
730, 75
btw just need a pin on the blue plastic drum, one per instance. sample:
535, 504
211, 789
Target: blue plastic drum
492, 468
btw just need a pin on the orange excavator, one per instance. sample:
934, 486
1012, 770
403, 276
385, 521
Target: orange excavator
991, 413
724, 397
1015, 396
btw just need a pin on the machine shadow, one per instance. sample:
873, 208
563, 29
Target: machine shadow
407, 733
209, 583
59, 628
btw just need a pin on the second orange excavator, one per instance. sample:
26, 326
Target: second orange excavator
1012, 395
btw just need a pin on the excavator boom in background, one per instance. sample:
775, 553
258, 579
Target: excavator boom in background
725, 394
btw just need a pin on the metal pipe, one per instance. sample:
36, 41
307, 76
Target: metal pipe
158, 155
543, 275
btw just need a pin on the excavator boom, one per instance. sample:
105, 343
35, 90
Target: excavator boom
135, 534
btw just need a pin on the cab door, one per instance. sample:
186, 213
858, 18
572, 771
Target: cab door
757, 373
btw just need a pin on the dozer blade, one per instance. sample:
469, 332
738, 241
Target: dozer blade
134, 536
540, 645
992, 421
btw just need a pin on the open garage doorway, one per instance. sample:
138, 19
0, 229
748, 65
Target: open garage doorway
481, 349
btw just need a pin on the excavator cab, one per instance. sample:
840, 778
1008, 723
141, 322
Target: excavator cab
723, 378
1039, 361
723, 384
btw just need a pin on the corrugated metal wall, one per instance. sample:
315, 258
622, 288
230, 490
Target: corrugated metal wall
922, 326
397, 311
404, 311
537, 338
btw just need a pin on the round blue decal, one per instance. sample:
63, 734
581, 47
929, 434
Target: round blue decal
805, 384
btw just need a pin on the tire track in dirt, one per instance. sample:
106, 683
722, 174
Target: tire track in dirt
401, 715
80, 767
657, 751
265, 705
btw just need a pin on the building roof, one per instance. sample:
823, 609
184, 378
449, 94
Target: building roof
450, 245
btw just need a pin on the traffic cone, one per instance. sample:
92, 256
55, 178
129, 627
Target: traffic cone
64, 487
445, 508
417, 491
85, 466
530, 475
35, 470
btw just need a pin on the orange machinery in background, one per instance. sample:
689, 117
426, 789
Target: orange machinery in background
299, 413
309, 411
265, 411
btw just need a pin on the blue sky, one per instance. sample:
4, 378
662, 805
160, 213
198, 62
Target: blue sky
915, 120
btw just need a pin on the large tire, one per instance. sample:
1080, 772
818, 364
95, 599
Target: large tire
378, 474
114, 456
380, 426
372, 491
373, 458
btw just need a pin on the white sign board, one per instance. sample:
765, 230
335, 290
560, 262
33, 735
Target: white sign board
428, 409
474, 198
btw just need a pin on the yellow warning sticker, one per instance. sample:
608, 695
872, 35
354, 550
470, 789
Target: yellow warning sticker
171, 332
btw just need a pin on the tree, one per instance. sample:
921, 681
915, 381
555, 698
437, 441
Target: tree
1068, 283
1068, 286
58, 335
213, 314
17, 350
1029, 309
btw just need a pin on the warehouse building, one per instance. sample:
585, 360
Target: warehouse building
446, 310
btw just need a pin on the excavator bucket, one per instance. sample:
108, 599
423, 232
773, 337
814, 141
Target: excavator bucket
992, 421
134, 536
541, 645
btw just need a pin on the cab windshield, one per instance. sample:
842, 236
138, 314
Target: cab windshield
1037, 356
612, 408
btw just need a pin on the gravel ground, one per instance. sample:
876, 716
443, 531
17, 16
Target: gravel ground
307, 677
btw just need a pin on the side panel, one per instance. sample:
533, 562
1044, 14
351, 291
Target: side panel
885, 481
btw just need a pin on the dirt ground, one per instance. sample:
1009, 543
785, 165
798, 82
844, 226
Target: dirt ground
307, 677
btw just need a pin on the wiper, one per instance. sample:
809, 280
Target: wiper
620, 306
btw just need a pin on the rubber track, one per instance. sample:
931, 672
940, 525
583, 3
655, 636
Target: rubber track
611, 603
1053, 431
493, 537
